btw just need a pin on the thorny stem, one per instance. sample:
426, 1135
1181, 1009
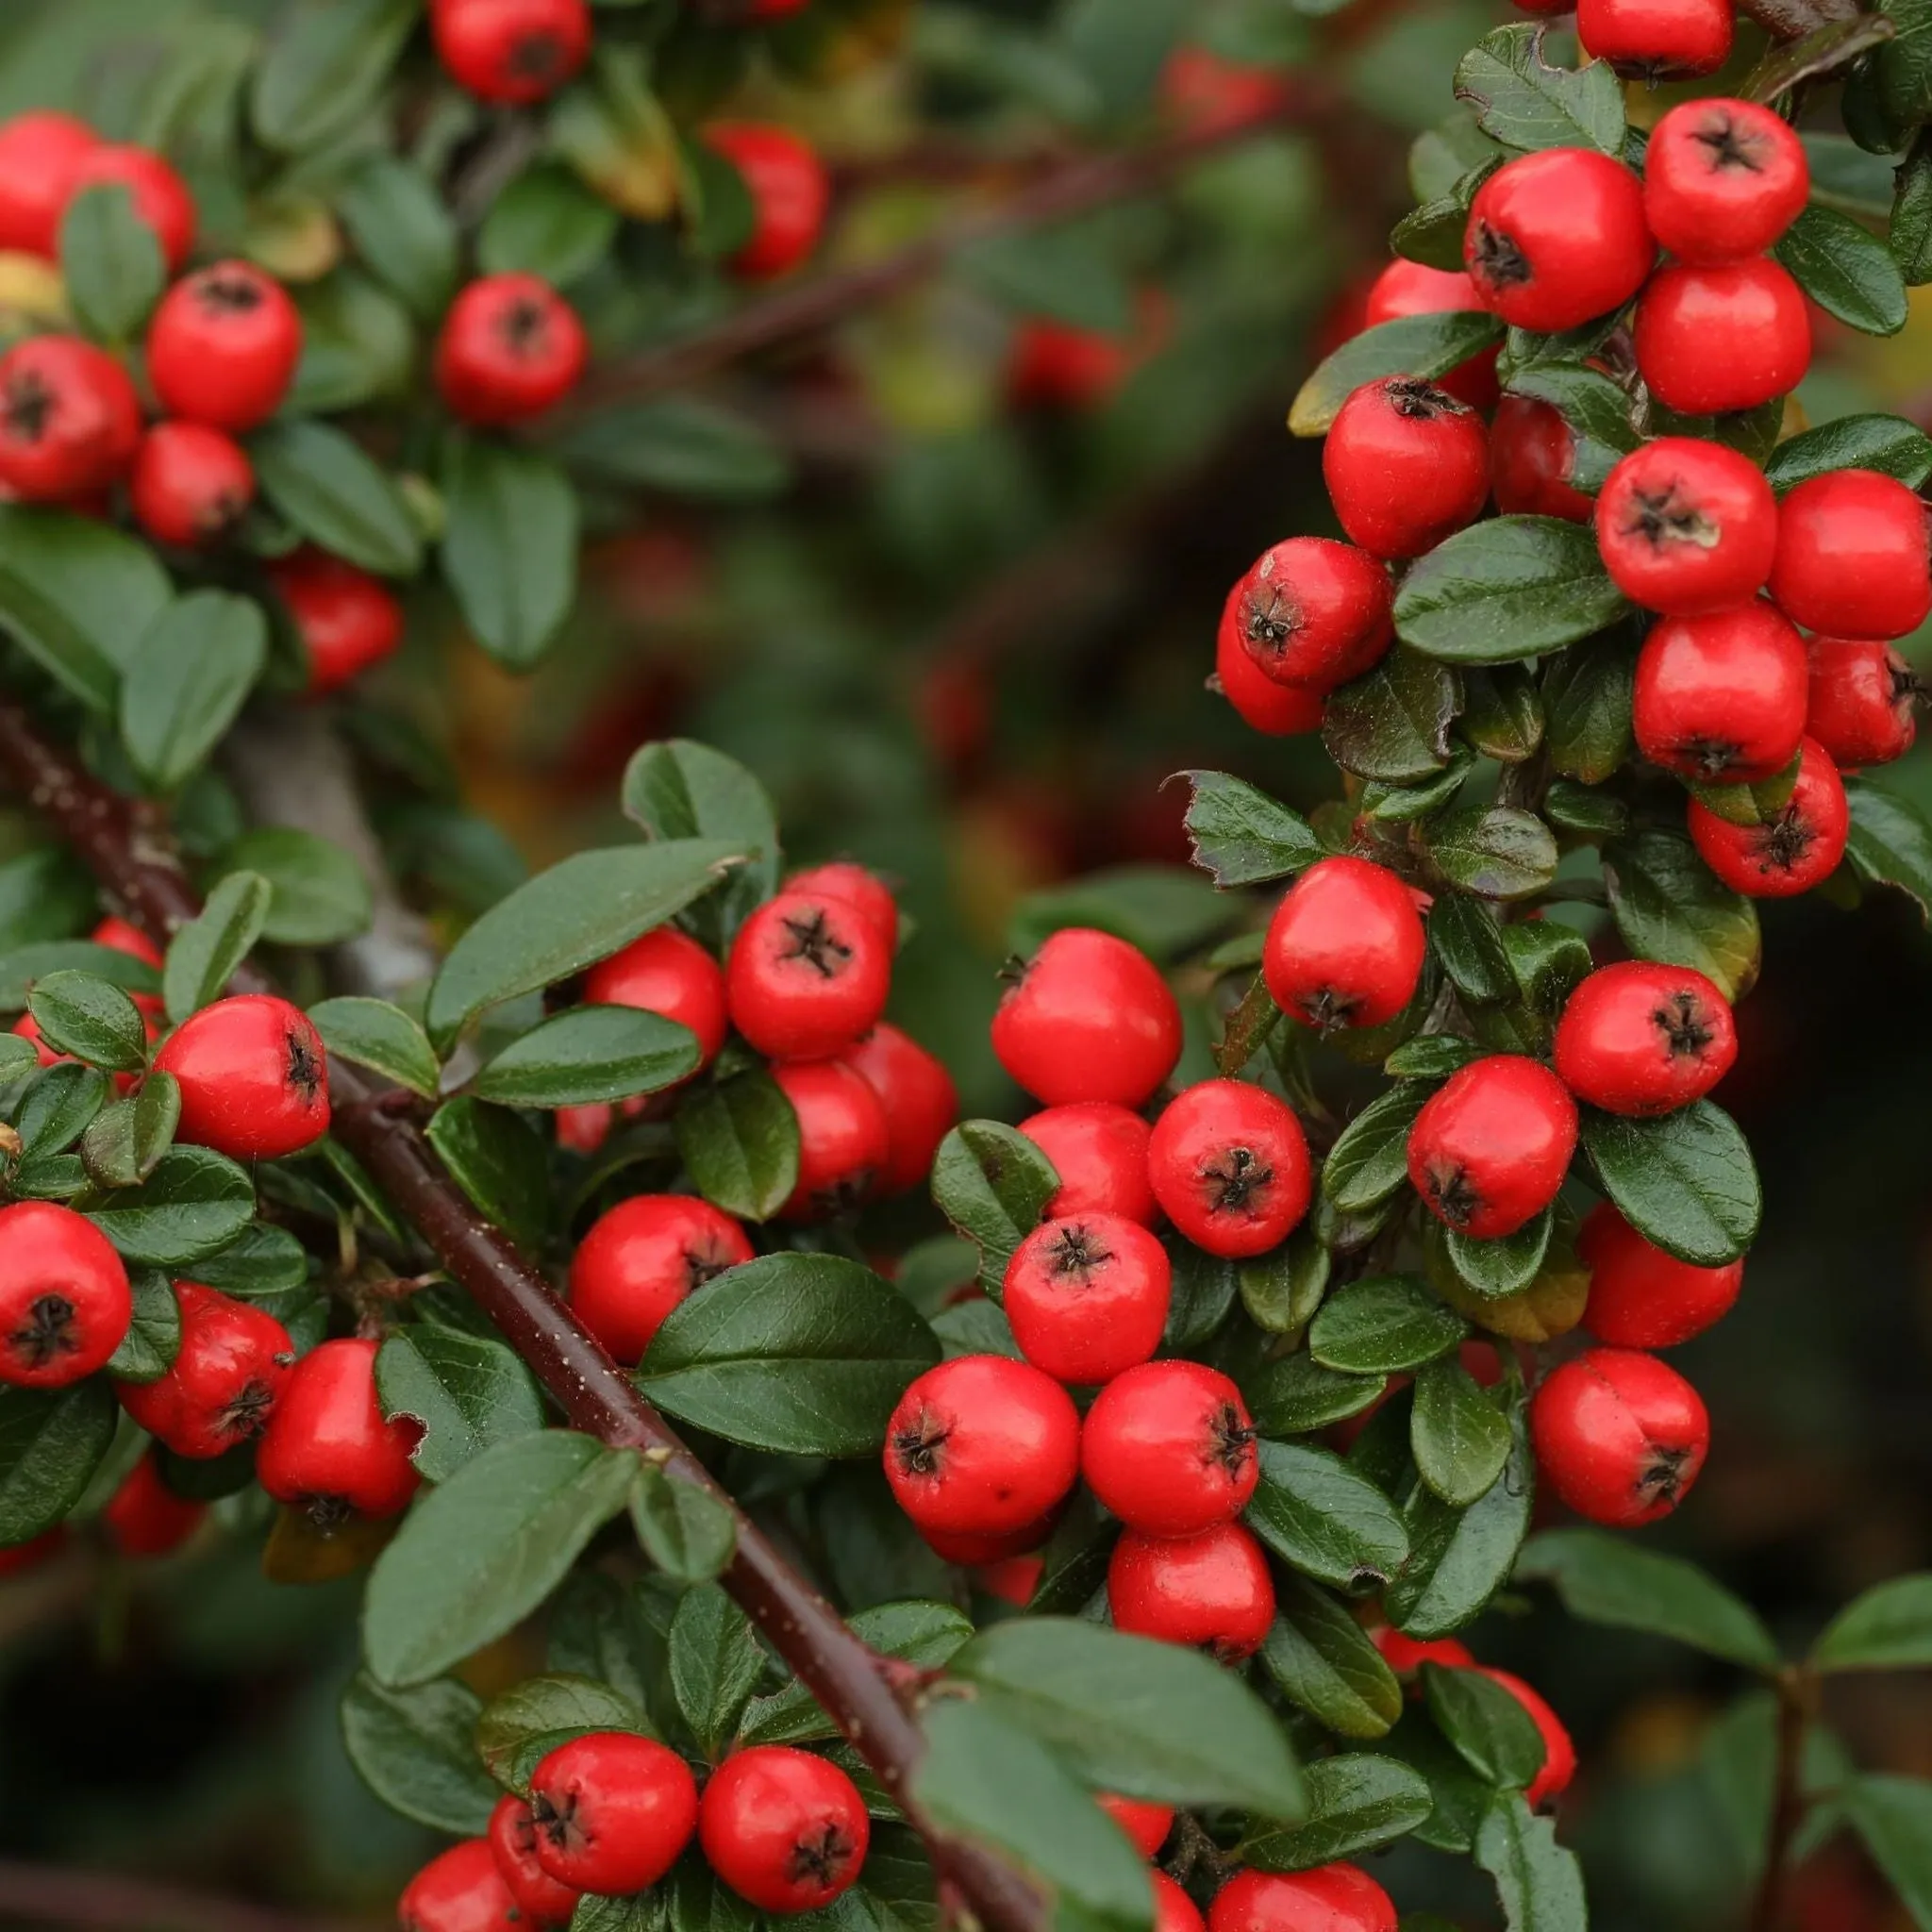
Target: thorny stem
1797, 1690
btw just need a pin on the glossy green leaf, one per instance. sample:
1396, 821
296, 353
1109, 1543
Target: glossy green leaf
261, 1260
1524, 102
1358, 1800
57, 1108
1821, 51
336, 494
202, 956
588, 1053
90, 1019
1282, 1289
44, 893
678, 789
1587, 702
1887, 1628
193, 1204
1370, 1161
415, 1749
1460, 1438
518, 1727
1502, 1265
1327, 1663
1423, 345
51, 1441
1485, 1725
715, 1663
1889, 843
110, 261
1496, 851
1393, 724
1846, 270
1459, 1558
738, 1142
509, 546
469, 1392
1670, 906
1383, 1324
318, 894
147, 1351
499, 1161
993, 1184
1333, 1525
683, 1529
1888, 444
1295, 1395
191, 669
379, 1035
1241, 835
1686, 1181
926, 1635
1537, 1880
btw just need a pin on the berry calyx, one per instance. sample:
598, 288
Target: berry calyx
1730, 336
843, 1141
1722, 181
510, 51
233, 1363
666, 972
1099, 1150
223, 347
1640, 1297
64, 1299
254, 1078
1559, 1754
1311, 612
459, 1891
1330, 1898
1145, 1824
1797, 849
1721, 698
1862, 701
808, 976
69, 421
1491, 1146
1851, 556
1637, 1038
1532, 455
1656, 39
1345, 947
1276, 710
41, 154
920, 1101
160, 196
1212, 1591
1169, 1447
347, 619
510, 348
1412, 288
612, 1811
1230, 1164
784, 1829
1089, 1017
1087, 1296
1620, 1435
790, 194
1687, 527
512, 1837
642, 1258
1405, 465
146, 1518
328, 1449
190, 484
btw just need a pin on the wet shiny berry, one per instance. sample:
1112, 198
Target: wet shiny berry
920, 1101
1099, 1150
1722, 179
1230, 1164
613, 1810
64, 1299
1687, 527
1210, 1591
347, 620
232, 1365
1532, 456
1797, 848
843, 1141
1851, 556
1345, 947
223, 347
642, 1258
784, 1829
808, 976
1405, 465
328, 1449
1639, 1038
1312, 613
1088, 1018
1491, 1146
1721, 698
1412, 288
1714, 339
1862, 701
1087, 1296
1169, 1447
1640, 1297
1619, 1435
253, 1075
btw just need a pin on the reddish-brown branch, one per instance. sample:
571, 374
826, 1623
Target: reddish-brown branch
48, 1895
1796, 1691
125, 848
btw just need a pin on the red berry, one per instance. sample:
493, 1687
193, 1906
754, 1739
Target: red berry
1145, 1824
1640, 1297
1345, 947
1330, 1898
808, 976
1206, 93
1687, 527
1099, 1150
1862, 701
1558, 238
1412, 288
1279, 710
459, 1891
642, 1258
510, 348
253, 1075
982, 1446
146, 1518
1312, 612
1532, 453
843, 1139
1656, 39
223, 347
541, 1900
1011, 1579
233, 1363
160, 196
347, 620
190, 484
510, 51
784, 1829
1728, 337
790, 192
1404, 1654
328, 1449
920, 1102
1090, 1018
1851, 556
1642, 1039
614, 1810
1406, 465
39, 157
1087, 1296
1230, 1164
64, 1300
1722, 181
1169, 1447
1797, 850
1055, 365
123, 937
1210, 1591
973, 1551
69, 421
1174, 1910
864, 889
1559, 1754
1492, 1144
1721, 698
666, 972
1620, 1435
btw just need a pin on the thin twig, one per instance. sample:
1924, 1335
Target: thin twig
50, 1895
1795, 1690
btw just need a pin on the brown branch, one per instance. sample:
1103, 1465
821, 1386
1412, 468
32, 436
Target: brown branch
1792, 20
1796, 1689
47, 1895
124, 844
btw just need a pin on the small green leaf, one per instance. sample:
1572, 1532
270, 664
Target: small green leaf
499, 1161
993, 1184
92, 1020
1506, 588
324, 67
588, 1053
153, 1339
1333, 1525
1241, 835
1894, 1816
519, 1727
1282, 1289
415, 1750
1422, 345
1823, 50
685, 1530
1890, 844
547, 223
678, 789
1888, 1628
1888, 444
402, 230
318, 894
1502, 712
1496, 851
738, 1140
1587, 702
1537, 1880
1370, 1161
1460, 1438
1459, 1558
332, 492
926, 1635
378, 1036
110, 261
1464, 939
1846, 270
261, 1260
1502, 1265
202, 956
1295, 1395
1523, 102
1686, 1182
715, 1665
1431, 1057
193, 1204
1670, 906
1383, 1324
191, 671
1358, 1800
1393, 724
59, 1106
51, 1441
509, 546
469, 1392
1327, 1664
1488, 1727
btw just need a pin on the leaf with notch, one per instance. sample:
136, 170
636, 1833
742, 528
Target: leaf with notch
1421, 345
203, 954
1523, 102
468, 1392
1509, 587
993, 1184
1537, 1879
1312, 1509
738, 1140
1392, 723
1241, 835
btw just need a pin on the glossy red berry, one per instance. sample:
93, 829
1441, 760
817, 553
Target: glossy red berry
1312, 613
1491, 1145
116, 932
1558, 238
1174, 1910
1559, 1754
1640, 1297
41, 154
1099, 1151
64, 1299
190, 484
1798, 849
1722, 179
1656, 39
1088, 1018
1212, 1591
668, 973
1721, 698
254, 1078
459, 1891
784, 1829
981, 1553
1728, 337
510, 347
1087, 1296
1405, 465
920, 1102
1345, 947
1532, 456
347, 620
1169, 1447
1330, 1898
546, 1904
146, 1518
614, 1810
510, 51
1279, 710
982, 1446
232, 1365
1620, 1436
1145, 1824
1851, 556
223, 347
1230, 1164
1687, 527
1862, 701
160, 196
868, 893
1404, 1654
1639, 1038
328, 1449
808, 976
69, 421
790, 194
1412, 288
642, 1258
843, 1139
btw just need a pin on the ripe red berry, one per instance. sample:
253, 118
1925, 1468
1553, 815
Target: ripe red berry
1558, 238
538, 1897
1727, 336
1412, 288
1404, 1654
666, 972
1405, 465
1099, 1150
347, 618
510, 51
223, 347
1279, 710
69, 421
982, 1446
190, 484
1174, 1910
1145, 1824
1206, 93
146, 1518
1862, 701
1722, 179
232, 1365
612, 1811
1620, 1435
1797, 850
980, 1553
843, 1141
328, 1449
1721, 698
39, 157
642, 1258
1639, 1038
116, 932
254, 1078
1345, 947
1851, 556
1492, 1144
1210, 1591
1087, 1296
868, 893
1088, 1018
160, 196
459, 1891
1330, 1898
1559, 1754
920, 1102
64, 1299
1640, 1297
1532, 454
1169, 1447
808, 976
1230, 1164
1687, 527
1656, 39
1312, 613
790, 192
510, 348
784, 1829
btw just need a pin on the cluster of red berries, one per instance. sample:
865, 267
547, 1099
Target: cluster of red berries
610, 1812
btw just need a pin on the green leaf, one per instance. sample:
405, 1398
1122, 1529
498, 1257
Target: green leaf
1506, 588
1459, 1558
1523, 102
147, 1351
1433, 233
1370, 1161
1357, 1801
509, 546
480, 1552
1890, 844
261, 1260
1888, 444
1333, 1525
993, 1184
193, 1204
1487, 1726
641, 1911
1431, 1057
738, 1140
378, 1036
1464, 937
1423, 345
1888, 1628
1823, 50
1909, 235
1846, 270
192, 669
1166, 911
1327, 1664
1068, 274
1670, 906
324, 67
683, 1529
1537, 1879
1502, 1265
1282, 1289
59, 1106
1501, 713
202, 956
678, 789
926, 1635
402, 230
546, 224
469, 1391
1295, 1395
1685, 1182
318, 894
802, 1353
415, 1750
1496, 851
519, 1727
588, 1054
1383, 1324
1460, 1438
333, 492
1597, 409
1241, 835
1894, 1816
1393, 724
715, 1665
51, 1441
44, 892
93, 1020
684, 445
1586, 700
112, 262
499, 1161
